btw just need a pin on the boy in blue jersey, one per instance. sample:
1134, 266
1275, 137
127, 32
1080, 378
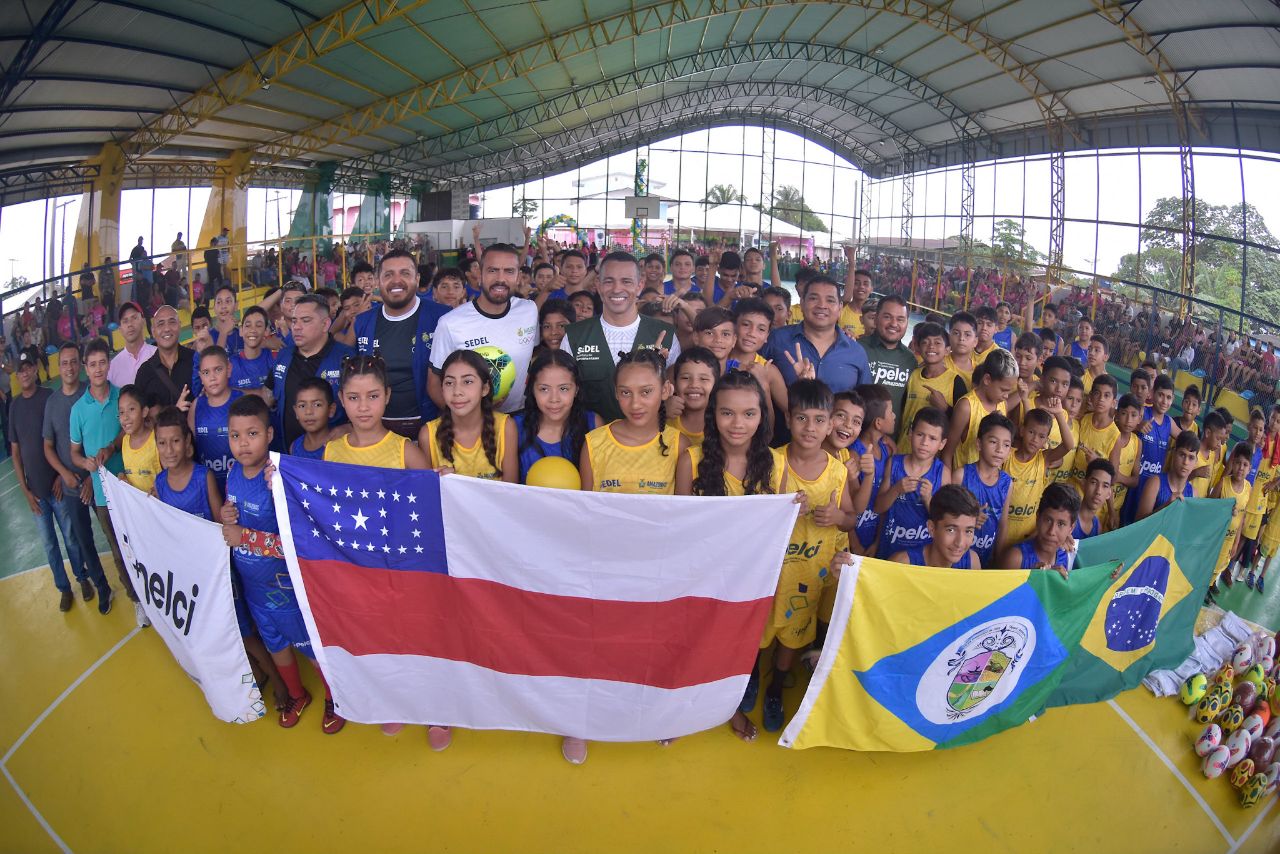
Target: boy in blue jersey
1157, 431
1051, 547
314, 407
989, 483
914, 479
879, 421
249, 526
1099, 478
208, 417
953, 524
251, 365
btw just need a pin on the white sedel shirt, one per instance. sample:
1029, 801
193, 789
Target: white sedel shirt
505, 341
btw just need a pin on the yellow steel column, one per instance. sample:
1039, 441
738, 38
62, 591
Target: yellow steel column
227, 206
98, 227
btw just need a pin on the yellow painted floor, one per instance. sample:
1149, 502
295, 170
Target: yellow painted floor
108, 747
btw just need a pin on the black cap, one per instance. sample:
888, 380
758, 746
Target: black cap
28, 356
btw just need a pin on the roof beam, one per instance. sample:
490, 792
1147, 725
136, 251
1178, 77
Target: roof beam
349, 24
40, 34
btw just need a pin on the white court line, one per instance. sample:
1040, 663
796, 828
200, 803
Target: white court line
35, 812
1271, 802
1186, 784
67, 692
7, 491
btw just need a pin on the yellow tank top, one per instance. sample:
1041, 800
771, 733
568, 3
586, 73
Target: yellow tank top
141, 465
694, 439
1055, 432
470, 461
980, 356
977, 412
1241, 499
1212, 459
1029, 481
917, 398
810, 543
1100, 441
967, 376
1062, 474
1128, 463
636, 469
732, 485
1257, 498
386, 453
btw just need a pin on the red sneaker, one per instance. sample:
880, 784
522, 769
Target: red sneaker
292, 709
332, 722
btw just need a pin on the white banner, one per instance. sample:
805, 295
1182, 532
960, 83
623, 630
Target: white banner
181, 570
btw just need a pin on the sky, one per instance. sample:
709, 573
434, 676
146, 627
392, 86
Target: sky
1121, 186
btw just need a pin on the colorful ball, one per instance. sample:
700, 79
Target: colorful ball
1225, 676
1216, 762
1262, 710
1194, 689
1209, 740
1242, 657
502, 371
1245, 694
1237, 747
554, 473
1262, 752
1230, 718
1241, 773
1256, 675
1208, 708
1253, 725
1252, 791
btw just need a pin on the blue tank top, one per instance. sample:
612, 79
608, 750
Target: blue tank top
1165, 493
1155, 447
297, 450
915, 557
992, 499
1079, 533
1031, 560
194, 499
870, 519
539, 449
251, 373
905, 522
213, 447
256, 511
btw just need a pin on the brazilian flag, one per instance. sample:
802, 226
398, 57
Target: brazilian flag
1146, 618
920, 658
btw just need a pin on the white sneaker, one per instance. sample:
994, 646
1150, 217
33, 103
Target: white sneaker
141, 615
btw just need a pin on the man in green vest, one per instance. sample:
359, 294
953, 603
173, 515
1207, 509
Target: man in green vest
596, 342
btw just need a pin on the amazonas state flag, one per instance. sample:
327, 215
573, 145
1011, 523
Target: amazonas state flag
451, 600
921, 658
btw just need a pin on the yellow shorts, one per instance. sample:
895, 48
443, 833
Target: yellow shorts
1252, 526
1270, 534
1224, 555
794, 621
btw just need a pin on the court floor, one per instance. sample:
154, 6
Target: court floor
106, 746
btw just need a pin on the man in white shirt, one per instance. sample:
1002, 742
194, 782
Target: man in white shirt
499, 326
133, 328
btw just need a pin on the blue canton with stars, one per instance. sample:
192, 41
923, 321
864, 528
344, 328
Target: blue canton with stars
372, 517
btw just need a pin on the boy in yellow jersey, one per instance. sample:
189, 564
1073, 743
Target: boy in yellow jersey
1027, 351
1055, 382
986, 317
1029, 465
1190, 410
1095, 362
963, 339
1234, 486
752, 319
993, 382
1097, 432
1209, 459
1264, 484
1073, 403
934, 383
1125, 453
826, 513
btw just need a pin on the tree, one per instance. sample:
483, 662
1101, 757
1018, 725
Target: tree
789, 206
1009, 244
724, 194
524, 208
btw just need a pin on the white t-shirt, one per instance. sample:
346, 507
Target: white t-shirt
622, 338
507, 342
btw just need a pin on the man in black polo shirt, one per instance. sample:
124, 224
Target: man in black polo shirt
313, 353
166, 376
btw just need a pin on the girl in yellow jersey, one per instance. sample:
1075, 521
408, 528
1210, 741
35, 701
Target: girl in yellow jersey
636, 453
695, 373
1235, 486
138, 445
735, 459
1029, 467
469, 436
993, 382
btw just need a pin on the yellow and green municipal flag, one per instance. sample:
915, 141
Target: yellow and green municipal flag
1146, 618
931, 658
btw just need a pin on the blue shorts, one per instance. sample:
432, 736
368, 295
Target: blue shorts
280, 626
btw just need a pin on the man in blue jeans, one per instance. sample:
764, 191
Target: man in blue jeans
45, 491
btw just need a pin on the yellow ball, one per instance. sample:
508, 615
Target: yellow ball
554, 473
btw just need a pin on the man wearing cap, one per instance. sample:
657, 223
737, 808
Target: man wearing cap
125, 364
165, 377
42, 487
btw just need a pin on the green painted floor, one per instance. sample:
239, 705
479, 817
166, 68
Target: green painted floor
21, 547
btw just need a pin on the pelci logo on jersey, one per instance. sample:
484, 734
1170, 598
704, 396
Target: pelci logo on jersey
889, 374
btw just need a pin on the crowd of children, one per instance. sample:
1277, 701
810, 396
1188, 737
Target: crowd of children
1003, 451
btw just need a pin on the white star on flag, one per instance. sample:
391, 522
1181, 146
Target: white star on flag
360, 519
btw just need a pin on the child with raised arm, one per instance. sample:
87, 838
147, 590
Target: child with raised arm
993, 382
953, 524
937, 382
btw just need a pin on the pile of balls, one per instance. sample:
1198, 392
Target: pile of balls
1241, 706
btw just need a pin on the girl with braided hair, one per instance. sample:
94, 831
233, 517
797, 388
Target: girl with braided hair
469, 437
555, 419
